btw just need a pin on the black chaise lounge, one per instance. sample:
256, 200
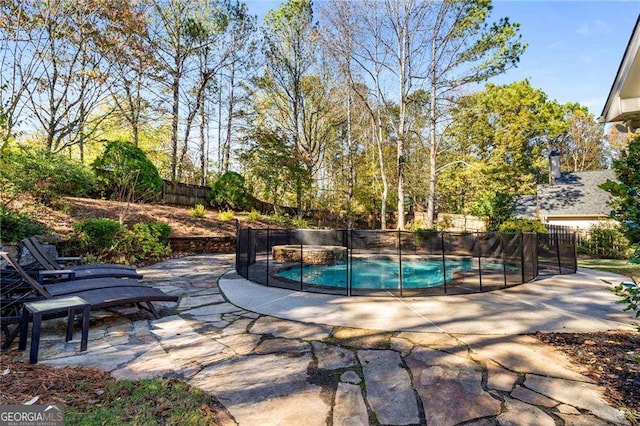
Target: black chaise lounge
47, 262
99, 293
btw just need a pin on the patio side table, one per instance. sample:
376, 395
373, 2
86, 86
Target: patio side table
41, 308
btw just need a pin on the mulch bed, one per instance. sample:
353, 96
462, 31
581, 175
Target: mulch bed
77, 386
611, 358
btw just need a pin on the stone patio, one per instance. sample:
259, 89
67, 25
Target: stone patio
270, 371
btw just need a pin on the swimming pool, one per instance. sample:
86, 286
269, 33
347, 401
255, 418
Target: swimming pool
352, 262
379, 273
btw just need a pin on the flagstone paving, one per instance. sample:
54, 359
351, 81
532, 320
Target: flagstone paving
269, 371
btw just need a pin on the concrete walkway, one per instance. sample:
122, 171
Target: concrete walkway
562, 303
279, 358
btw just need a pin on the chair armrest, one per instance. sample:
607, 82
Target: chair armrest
44, 274
76, 259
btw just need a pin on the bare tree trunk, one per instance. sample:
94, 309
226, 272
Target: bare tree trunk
220, 147
203, 141
227, 143
174, 123
401, 126
431, 194
383, 174
296, 137
350, 185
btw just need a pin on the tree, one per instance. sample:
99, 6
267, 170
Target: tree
465, 49
626, 202
173, 35
205, 32
72, 81
133, 68
20, 37
289, 48
241, 47
495, 207
274, 170
584, 146
500, 136
353, 37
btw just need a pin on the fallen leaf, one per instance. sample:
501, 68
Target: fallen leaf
32, 400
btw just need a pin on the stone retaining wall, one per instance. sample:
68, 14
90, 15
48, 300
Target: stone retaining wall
203, 244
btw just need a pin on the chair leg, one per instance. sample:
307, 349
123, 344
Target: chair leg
10, 336
152, 309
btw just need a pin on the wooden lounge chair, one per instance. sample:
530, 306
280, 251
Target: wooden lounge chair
99, 293
47, 262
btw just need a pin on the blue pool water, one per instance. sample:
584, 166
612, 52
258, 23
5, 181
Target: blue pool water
379, 274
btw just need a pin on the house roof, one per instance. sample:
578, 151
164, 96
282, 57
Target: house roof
576, 194
623, 103
527, 207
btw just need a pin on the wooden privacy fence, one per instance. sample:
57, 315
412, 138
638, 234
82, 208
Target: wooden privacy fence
184, 194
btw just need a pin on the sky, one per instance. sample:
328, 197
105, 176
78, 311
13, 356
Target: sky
575, 47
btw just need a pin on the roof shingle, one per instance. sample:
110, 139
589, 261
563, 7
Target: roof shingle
576, 194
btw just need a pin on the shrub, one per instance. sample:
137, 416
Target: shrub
198, 211
97, 234
522, 225
107, 240
254, 215
15, 226
226, 215
299, 223
160, 230
46, 176
126, 174
605, 240
144, 241
230, 192
495, 207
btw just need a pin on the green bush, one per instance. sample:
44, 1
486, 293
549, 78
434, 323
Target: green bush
143, 242
46, 176
107, 240
522, 225
126, 174
226, 216
198, 211
605, 241
159, 230
495, 207
254, 215
97, 234
230, 192
15, 226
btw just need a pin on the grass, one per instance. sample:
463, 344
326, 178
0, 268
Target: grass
157, 401
617, 266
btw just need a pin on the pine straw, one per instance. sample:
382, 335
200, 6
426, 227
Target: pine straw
611, 358
76, 386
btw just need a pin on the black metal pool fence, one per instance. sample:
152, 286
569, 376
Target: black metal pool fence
350, 260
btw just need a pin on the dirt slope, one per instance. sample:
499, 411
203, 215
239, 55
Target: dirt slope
60, 218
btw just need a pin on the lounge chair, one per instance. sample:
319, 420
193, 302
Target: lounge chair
99, 293
45, 261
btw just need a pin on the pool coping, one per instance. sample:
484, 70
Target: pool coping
577, 302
